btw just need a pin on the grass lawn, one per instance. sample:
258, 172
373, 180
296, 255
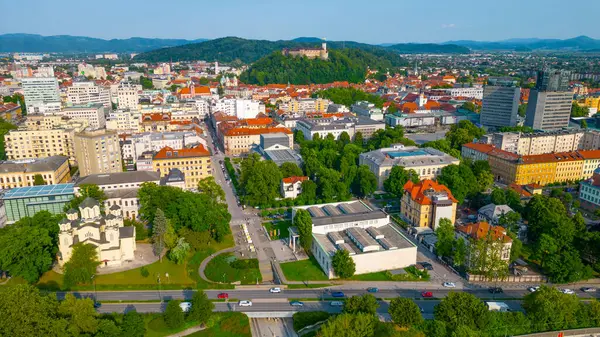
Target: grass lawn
281, 226
305, 270
307, 286
228, 324
228, 269
180, 276
156, 326
412, 274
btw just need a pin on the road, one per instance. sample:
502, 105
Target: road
264, 252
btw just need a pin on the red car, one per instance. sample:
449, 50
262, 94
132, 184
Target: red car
427, 294
223, 295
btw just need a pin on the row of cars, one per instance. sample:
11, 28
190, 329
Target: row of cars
566, 290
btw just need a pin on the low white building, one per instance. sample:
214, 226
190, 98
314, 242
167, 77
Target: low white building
93, 113
491, 213
291, 187
365, 232
114, 242
367, 109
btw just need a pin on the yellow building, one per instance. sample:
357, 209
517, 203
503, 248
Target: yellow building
591, 102
425, 203
194, 163
54, 170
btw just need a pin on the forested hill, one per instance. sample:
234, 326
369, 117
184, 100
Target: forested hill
230, 49
343, 65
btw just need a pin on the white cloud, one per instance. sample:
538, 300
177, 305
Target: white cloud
448, 25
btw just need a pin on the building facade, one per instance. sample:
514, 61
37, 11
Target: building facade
41, 93
549, 110
98, 151
128, 96
501, 99
87, 92
93, 113
21, 202
291, 187
426, 203
20, 173
589, 191
194, 163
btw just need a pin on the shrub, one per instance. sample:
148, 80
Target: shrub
304, 319
144, 271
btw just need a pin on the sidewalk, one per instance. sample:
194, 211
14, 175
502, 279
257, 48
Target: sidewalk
207, 260
189, 331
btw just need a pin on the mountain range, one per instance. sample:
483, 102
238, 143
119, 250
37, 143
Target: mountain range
580, 43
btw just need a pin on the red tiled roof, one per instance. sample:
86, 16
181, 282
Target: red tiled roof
257, 121
417, 191
293, 180
479, 147
481, 229
168, 153
156, 117
519, 189
9, 107
590, 154
248, 132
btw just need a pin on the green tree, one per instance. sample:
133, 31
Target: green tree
303, 222
584, 124
365, 182
522, 109
459, 178
81, 314
445, 238
210, 187
460, 252
460, 308
498, 197
133, 324
549, 309
260, 182
342, 264
398, 178
87, 191
81, 266
444, 146
344, 138
146, 83
26, 312
485, 257
290, 169
366, 304
358, 139
38, 180
159, 231
180, 251
5, 128
141, 232
509, 220
173, 315
516, 247
309, 192
405, 312
202, 308
348, 325
579, 111
462, 133
108, 328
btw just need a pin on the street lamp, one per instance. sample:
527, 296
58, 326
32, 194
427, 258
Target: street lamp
159, 294
95, 292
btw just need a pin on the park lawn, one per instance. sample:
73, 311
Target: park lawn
227, 324
305, 270
220, 269
281, 226
156, 326
308, 286
412, 275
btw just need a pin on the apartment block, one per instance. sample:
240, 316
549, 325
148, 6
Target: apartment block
194, 163
21, 173
93, 113
87, 92
549, 110
336, 126
589, 191
41, 94
98, 151
128, 96
501, 99
426, 203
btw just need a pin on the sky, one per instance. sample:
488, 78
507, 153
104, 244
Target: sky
374, 21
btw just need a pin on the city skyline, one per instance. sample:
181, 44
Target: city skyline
408, 22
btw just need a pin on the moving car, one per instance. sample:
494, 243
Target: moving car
497, 306
245, 303
533, 289
336, 303
449, 284
296, 304
337, 294
427, 294
275, 290
223, 295
567, 291
588, 290
372, 290
496, 290
185, 306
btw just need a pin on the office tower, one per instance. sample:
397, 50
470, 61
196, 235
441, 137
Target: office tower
98, 152
86, 92
550, 103
500, 102
41, 94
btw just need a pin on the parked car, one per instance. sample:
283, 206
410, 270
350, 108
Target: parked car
337, 294
588, 290
245, 303
496, 290
427, 294
296, 304
275, 290
449, 284
533, 289
223, 295
97, 305
185, 306
372, 290
336, 303
567, 291
427, 265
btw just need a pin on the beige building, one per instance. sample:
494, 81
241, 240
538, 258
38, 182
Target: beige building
426, 203
527, 144
480, 231
43, 136
21, 173
98, 152
114, 242
194, 163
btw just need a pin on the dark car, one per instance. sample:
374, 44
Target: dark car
496, 290
372, 290
337, 294
427, 265
97, 305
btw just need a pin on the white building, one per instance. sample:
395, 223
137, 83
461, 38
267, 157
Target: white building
291, 187
367, 109
475, 92
89, 70
88, 92
241, 108
139, 143
366, 233
491, 213
114, 242
128, 95
124, 121
95, 114
41, 94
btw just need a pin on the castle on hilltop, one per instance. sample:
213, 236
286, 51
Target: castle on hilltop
311, 53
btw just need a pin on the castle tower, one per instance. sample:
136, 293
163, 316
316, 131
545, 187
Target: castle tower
65, 240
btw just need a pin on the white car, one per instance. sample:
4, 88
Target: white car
336, 303
533, 289
185, 306
275, 290
449, 285
245, 303
567, 291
